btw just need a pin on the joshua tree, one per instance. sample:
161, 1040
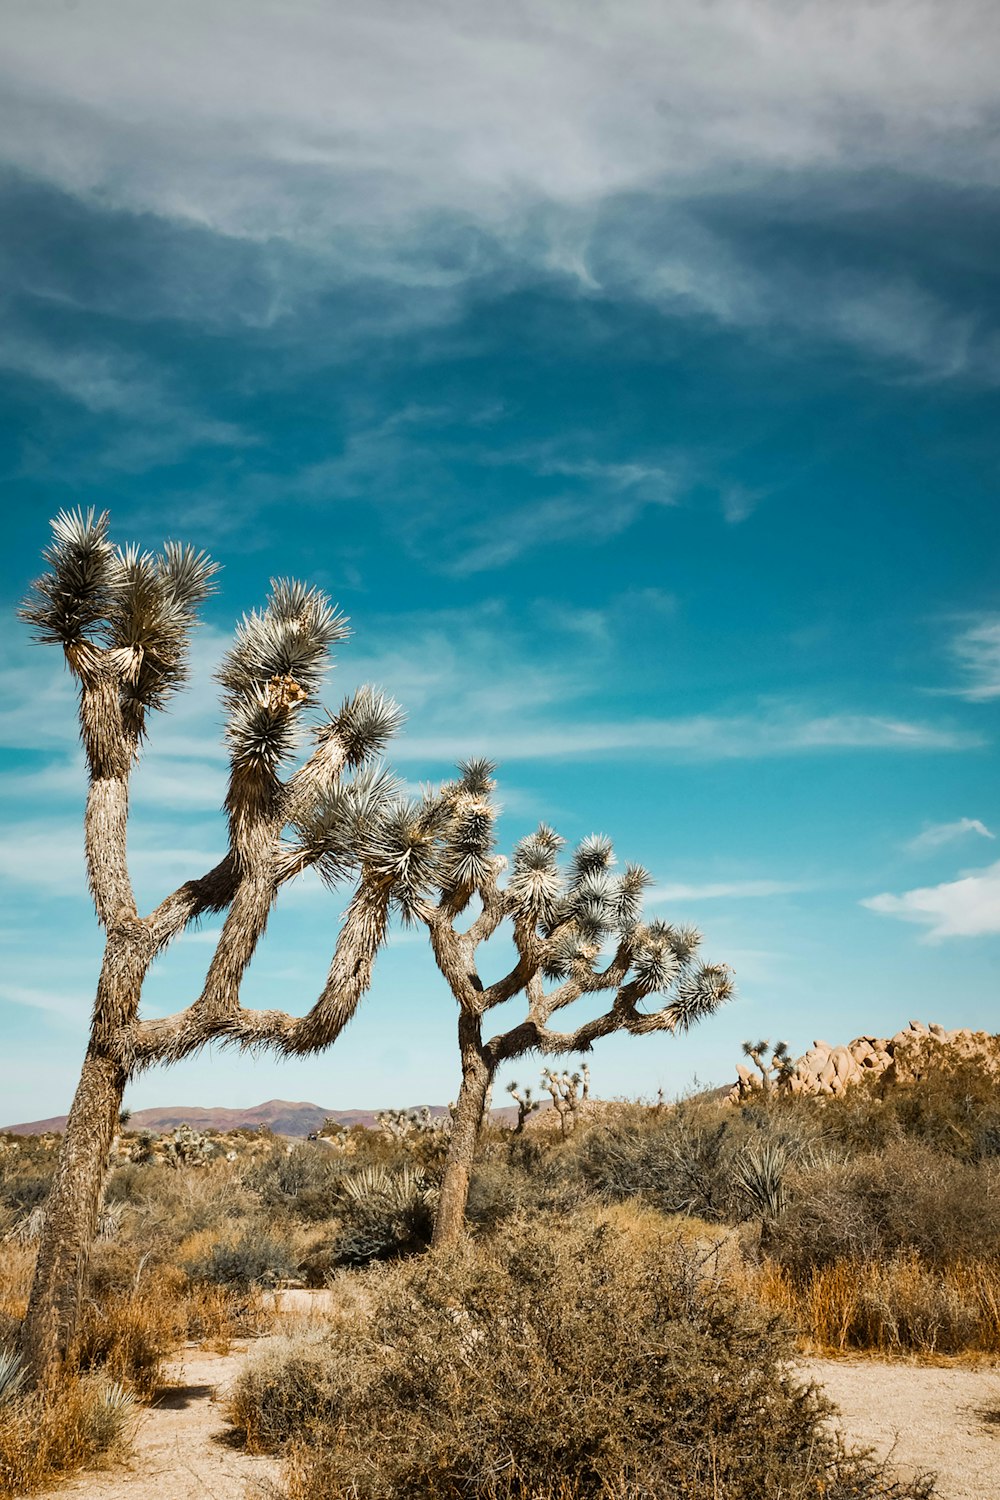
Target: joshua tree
560, 922
123, 618
568, 1091
526, 1105
775, 1070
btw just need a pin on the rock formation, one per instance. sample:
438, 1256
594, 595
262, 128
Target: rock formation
827, 1071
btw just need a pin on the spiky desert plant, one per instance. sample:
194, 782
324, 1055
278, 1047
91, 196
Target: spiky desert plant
775, 1067
567, 1091
12, 1373
526, 1105
123, 618
759, 1175
441, 855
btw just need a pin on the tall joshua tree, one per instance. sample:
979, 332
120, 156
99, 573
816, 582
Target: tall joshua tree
123, 618
561, 921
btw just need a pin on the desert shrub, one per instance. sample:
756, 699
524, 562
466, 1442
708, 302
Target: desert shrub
953, 1107
496, 1192
679, 1162
23, 1193
255, 1258
45, 1438
128, 1336
215, 1315
304, 1181
907, 1198
544, 1366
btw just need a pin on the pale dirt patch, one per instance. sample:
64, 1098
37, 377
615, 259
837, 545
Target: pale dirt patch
921, 1418
180, 1448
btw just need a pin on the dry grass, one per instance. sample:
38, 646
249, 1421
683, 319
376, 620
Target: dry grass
890, 1307
86, 1422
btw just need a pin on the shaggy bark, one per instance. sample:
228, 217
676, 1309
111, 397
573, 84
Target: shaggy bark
71, 1217
467, 1121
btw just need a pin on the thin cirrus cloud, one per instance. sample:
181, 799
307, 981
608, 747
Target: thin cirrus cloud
977, 652
724, 890
967, 907
939, 834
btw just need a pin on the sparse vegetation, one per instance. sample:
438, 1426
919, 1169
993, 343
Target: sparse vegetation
615, 1325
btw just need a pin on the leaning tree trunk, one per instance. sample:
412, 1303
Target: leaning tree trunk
477, 1076
71, 1217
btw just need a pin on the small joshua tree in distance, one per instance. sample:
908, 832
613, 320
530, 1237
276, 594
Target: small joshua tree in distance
560, 921
526, 1105
568, 1092
123, 618
775, 1067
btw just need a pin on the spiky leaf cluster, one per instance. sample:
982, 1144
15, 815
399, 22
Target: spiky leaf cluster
129, 609
342, 832
410, 853
699, 993
152, 608
274, 670
364, 724
536, 886
69, 600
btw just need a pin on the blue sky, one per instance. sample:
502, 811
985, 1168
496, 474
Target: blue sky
628, 373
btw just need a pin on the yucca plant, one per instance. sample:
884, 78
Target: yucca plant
123, 618
759, 1175
385, 1212
12, 1374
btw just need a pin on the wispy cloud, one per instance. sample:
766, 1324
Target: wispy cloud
967, 907
939, 834
724, 890
109, 383
777, 730
977, 652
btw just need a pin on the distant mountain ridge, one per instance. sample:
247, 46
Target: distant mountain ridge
280, 1115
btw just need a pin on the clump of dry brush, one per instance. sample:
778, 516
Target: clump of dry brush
556, 1361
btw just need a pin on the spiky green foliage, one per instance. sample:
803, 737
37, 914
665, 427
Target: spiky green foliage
365, 723
345, 827
535, 885
274, 670
72, 597
130, 610
411, 854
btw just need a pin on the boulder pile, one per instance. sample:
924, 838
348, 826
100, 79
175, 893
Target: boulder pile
827, 1071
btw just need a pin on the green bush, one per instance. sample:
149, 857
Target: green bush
908, 1198
255, 1259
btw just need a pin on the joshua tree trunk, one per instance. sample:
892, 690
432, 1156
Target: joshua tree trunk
71, 1216
477, 1078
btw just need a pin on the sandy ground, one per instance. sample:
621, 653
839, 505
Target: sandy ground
181, 1447
922, 1418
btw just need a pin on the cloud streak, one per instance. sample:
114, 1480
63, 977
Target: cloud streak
940, 834
424, 150
963, 908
